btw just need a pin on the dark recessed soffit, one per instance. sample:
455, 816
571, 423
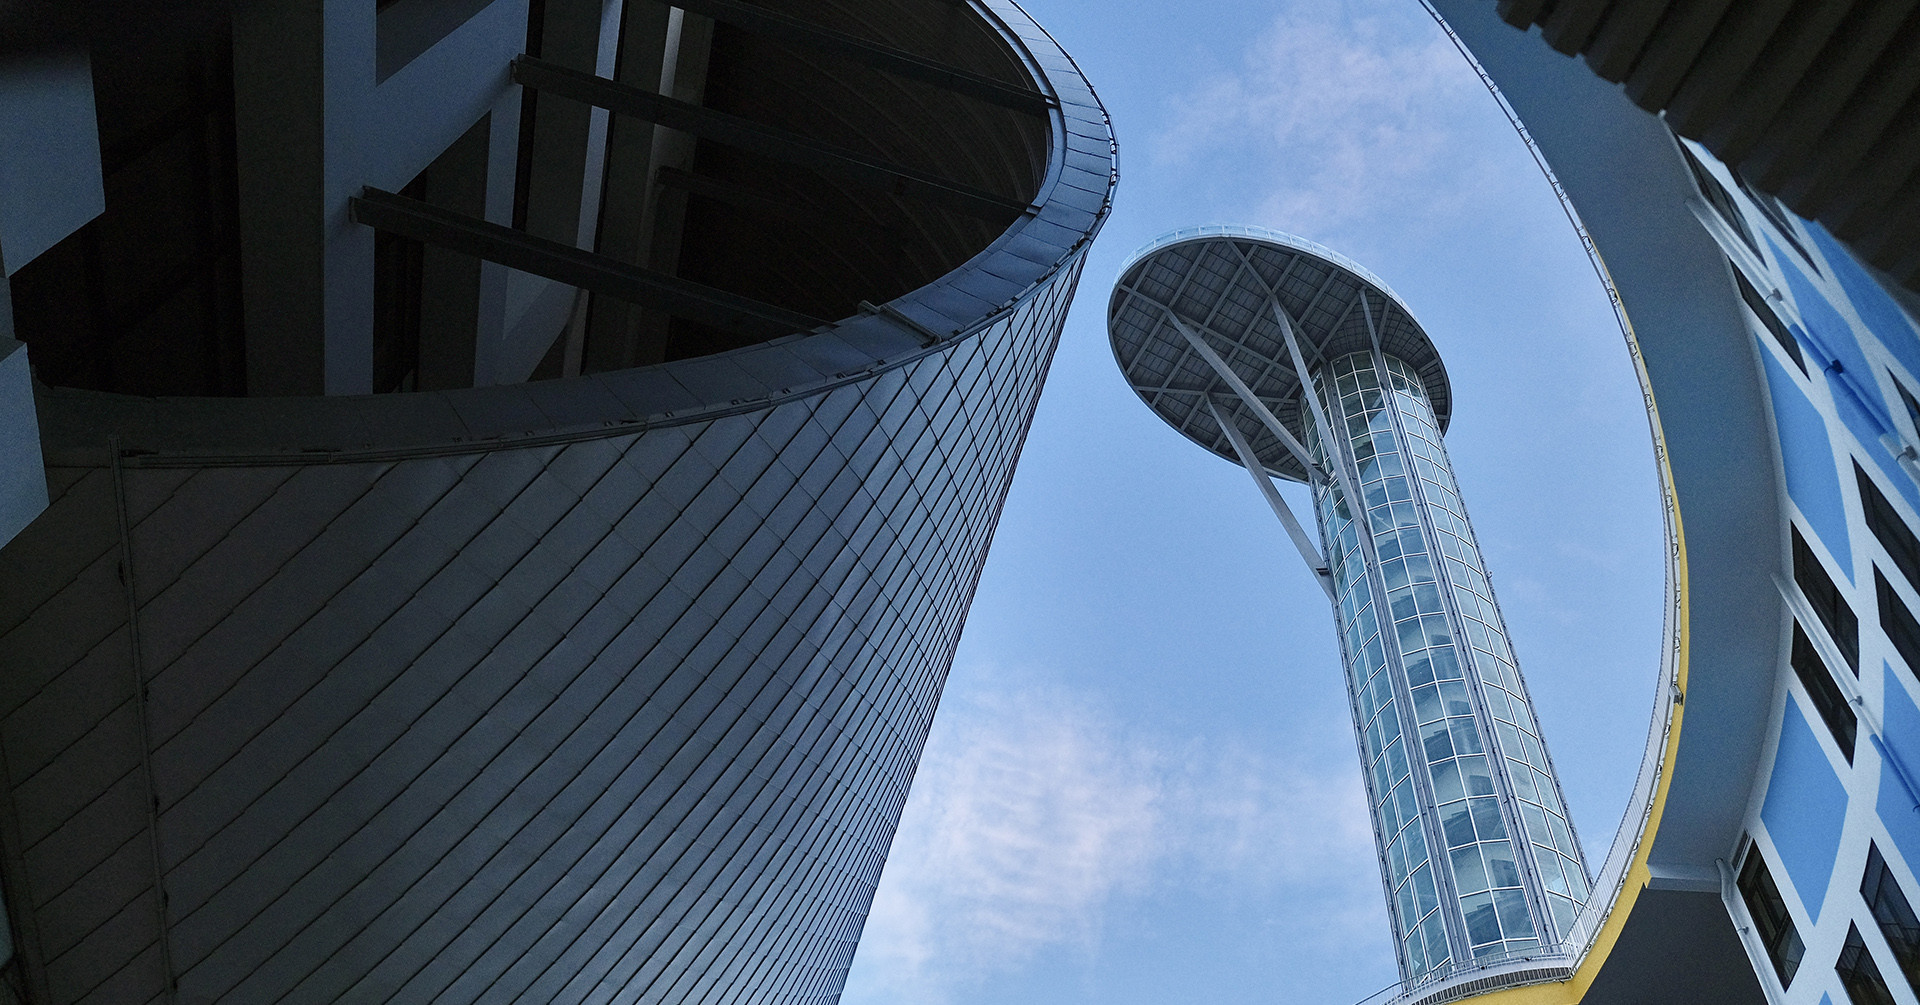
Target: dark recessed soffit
1221, 281
763, 140
428, 224
899, 62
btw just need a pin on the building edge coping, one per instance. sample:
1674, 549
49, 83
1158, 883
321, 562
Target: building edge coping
88, 428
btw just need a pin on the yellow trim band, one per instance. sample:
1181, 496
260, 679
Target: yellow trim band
1575, 988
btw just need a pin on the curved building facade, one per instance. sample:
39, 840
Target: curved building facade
1768, 852
1294, 362
606, 686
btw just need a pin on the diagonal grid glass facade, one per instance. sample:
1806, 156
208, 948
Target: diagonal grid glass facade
1477, 854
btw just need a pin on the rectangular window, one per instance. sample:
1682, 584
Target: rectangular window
1717, 196
1771, 923
1894, 914
1906, 398
1814, 676
1898, 622
1858, 974
1885, 522
1776, 214
1839, 620
1771, 321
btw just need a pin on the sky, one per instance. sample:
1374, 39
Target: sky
1142, 784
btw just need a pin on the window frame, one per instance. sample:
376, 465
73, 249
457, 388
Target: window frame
1859, 975
1906, 951
1828, 601
1774, 927
1823, 691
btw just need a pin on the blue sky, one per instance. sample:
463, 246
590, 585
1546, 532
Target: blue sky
1142, 783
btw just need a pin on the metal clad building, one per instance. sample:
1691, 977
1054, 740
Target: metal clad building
604, 687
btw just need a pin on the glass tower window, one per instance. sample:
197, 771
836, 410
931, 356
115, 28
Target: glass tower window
1769, 319
1720, 199
1898, 622
1888, 528
1480, 858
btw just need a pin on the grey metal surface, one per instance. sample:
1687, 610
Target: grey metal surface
1219, 280
448, 230
627, 717
1811, 102
23, 480
745, 134
762, 21
598, 689
1678, 947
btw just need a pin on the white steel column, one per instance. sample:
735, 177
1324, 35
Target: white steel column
1335, 444
1246, 395
1373, 333
1252, 463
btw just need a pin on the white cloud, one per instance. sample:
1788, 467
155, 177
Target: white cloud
1250, 819
1035, 818
1356, 108
1027, 814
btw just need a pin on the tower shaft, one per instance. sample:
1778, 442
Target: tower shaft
1476, 850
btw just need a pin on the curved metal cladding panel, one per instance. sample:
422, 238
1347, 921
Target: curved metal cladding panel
598, 689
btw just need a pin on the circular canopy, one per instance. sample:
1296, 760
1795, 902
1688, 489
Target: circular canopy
1220, 282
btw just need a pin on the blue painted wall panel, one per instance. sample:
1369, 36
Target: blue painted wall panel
1805, 809
1807, 453
1833, 336
1867, 430
1856, 390
1901, 722
1883, 317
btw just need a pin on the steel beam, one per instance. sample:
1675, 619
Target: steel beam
1240, 388
898, 62
411, 218
764, 140
1372, 332
1331, 437
1252, 463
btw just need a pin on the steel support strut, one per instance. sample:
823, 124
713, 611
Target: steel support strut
1328, 436
1252, 463
428, 224
1247, 397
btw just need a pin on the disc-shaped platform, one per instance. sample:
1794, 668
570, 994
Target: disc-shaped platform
1220, 280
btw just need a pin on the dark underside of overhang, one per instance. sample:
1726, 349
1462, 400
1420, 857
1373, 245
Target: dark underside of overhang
833, 242
869, 148
1678, 948
1816, 102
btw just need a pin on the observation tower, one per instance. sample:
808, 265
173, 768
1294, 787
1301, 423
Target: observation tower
1285, 357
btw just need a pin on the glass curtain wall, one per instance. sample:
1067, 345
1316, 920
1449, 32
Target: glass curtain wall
1476, 850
